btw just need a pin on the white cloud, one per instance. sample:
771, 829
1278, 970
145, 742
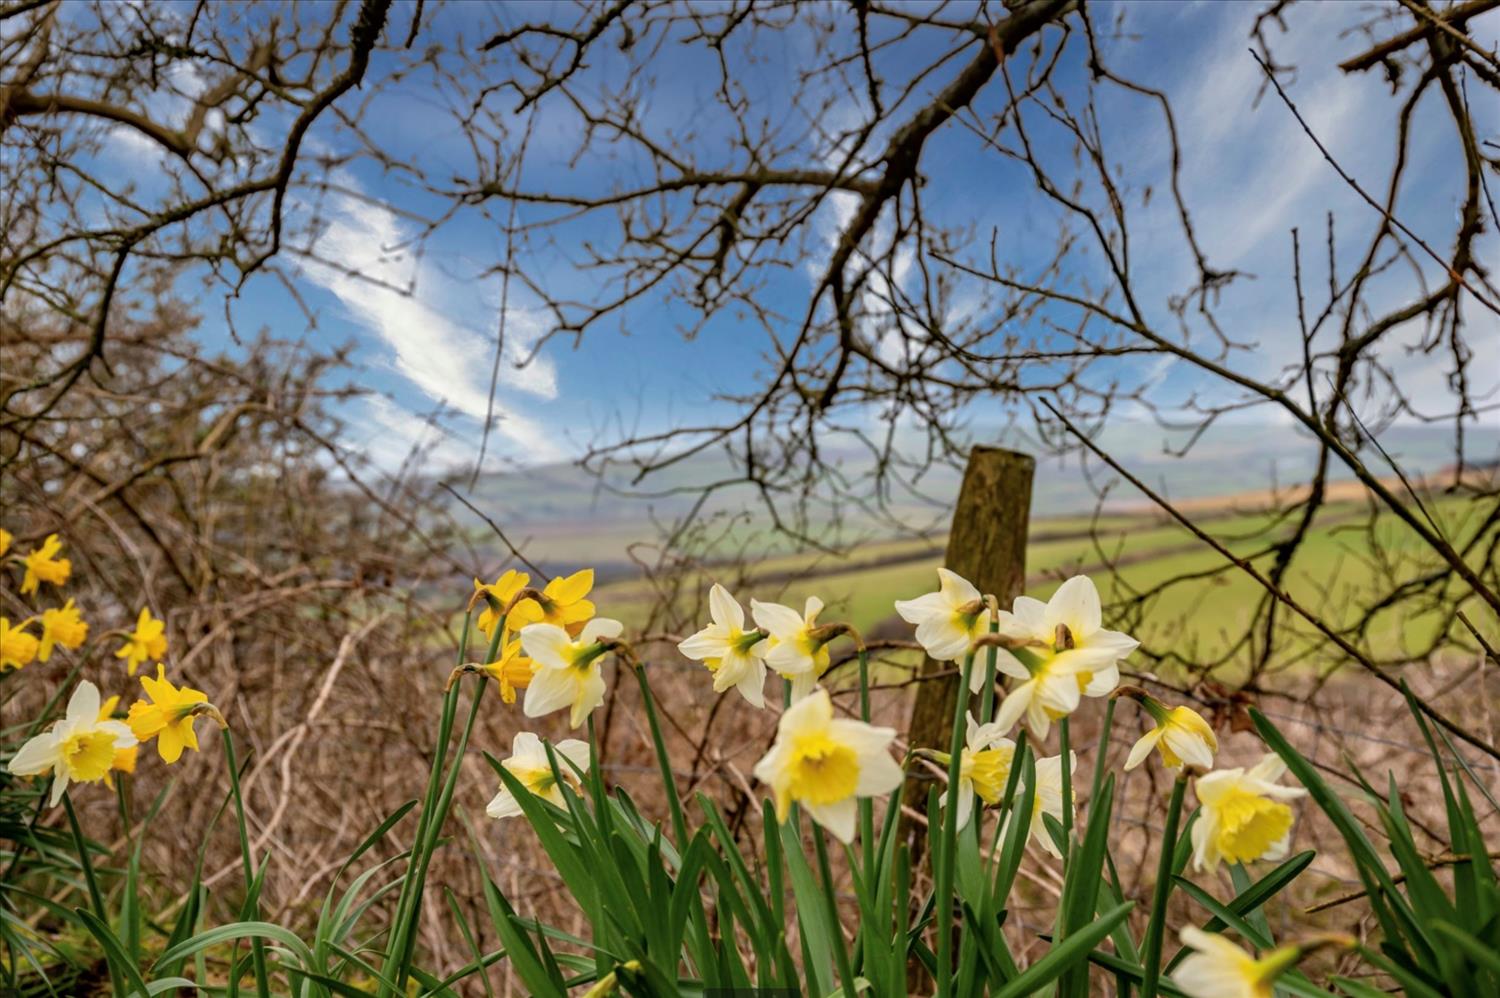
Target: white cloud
397, 298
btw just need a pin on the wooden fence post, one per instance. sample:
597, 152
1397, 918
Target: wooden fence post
987, 546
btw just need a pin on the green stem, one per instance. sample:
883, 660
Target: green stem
435, 830
1103, 751
942, 906
987, 695
1067, 789
866, 806
679, 824
1151, 955
835, 927
864, 684
96, 898
257, 945
401, 922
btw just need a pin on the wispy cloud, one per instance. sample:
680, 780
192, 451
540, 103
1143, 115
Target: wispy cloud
428, 323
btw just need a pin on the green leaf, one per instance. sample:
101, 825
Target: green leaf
1064, 955
810, 912
114, 951
1476, 950
1255, 896
1390, 907
1080, 897
1357, 990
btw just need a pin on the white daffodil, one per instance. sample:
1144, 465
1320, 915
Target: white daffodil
1049, 689
983, 768
81, 747
948, 620
1048, 799
825, 763
529, 764
1068, 627
1217, 968
791, 649
1244, 817
1182, 735
735, 656
567, 670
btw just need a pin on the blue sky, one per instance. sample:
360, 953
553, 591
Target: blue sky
425, 336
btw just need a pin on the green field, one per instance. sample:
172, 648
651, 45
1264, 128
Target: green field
1341, 568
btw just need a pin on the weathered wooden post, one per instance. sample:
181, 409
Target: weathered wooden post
987, 546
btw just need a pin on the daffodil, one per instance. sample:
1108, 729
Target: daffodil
1217, 968
512, 670
793, 649
501, 591
529, 764
734, 655
567, 672
61, 626
79, 748
948, 620
826, 763
1048, 799
1181, 733
43, 565
5, 539
168, 717
1244, 815
124, 761
1047, 692
562, 603
983, 768
148, 640
1068, 630
17, 647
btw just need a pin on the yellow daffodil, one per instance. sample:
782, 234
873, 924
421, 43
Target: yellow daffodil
43, 565
17, 647
792, 649
567, 672
168, 717
562, 604
826, 763
1217, 968
1068, 627
983, 768
124, 757
61, 626
735, 656
80, 748
529, 764
1181, 734
148, 640
502, 591
1048, 799
5, 539
948, 620
512, 670
1244, 817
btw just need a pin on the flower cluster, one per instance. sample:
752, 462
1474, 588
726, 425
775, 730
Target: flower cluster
90, 743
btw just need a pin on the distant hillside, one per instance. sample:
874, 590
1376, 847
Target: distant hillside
563, 516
